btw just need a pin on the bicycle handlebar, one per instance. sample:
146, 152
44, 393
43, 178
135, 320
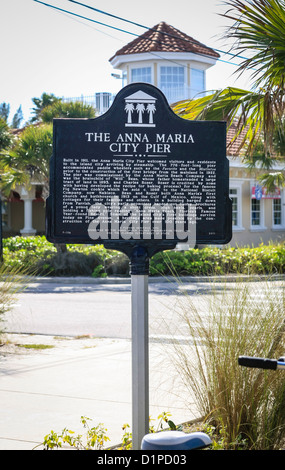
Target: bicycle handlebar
257, 362
261, 363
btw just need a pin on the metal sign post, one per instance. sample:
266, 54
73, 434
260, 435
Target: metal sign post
140, 180
140, 360
140, 357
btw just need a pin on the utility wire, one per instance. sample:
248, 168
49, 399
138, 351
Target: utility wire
103, 24
83, 17
151, 29
155, 54
109, 14
113, 27
89, 26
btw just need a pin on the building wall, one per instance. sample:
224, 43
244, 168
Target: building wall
39, 216
175, 91
15, 210
13, 217
245, 233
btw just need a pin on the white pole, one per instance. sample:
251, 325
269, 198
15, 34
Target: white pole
140, 360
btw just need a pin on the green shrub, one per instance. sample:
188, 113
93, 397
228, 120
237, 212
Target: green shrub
37, 255
96, 437
264, 259
68, 264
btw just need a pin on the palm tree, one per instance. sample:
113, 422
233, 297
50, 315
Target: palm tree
17, 118
28, 159
5, 135
259, 30
71, 109
40, 103
4, 111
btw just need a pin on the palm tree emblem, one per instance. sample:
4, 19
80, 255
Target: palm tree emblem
151, 109
140, 102
129, 108
140, 109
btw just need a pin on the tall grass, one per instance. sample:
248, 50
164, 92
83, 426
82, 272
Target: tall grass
12, 282
244, 405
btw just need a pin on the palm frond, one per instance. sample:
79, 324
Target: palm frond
259, 31
254, 113
272, 180
265, 162
11, 178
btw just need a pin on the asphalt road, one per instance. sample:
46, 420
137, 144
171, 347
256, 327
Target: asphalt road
104, 310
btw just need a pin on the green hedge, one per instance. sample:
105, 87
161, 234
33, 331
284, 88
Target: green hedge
264, 259
36, 255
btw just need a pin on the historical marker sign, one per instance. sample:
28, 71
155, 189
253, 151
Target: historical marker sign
139, 179
139, 175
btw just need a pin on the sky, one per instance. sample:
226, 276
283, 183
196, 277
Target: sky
45, 50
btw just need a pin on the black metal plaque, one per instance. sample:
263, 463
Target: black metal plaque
139, 176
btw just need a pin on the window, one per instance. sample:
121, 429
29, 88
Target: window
277, 212
171, 77
4, 214
124, 78
235, 196
142, 74
172, 83
197, 81
257, 209
255, 212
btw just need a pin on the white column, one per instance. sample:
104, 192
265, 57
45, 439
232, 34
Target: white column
27, 196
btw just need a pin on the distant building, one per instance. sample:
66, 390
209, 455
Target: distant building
258, 216
167, 58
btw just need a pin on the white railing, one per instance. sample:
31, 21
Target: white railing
102, 101
174, 94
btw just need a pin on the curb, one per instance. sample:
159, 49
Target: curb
157, 279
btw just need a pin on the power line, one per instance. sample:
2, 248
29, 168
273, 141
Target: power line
112, 27
102, 24
97, 22
84, 17
109, 14
89, 26
151, 29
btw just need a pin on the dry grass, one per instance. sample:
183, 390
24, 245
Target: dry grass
242, 404
11, 283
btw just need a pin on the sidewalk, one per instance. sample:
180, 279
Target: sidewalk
50, 389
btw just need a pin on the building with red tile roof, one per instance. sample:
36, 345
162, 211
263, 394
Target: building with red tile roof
167, 58
165, 38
